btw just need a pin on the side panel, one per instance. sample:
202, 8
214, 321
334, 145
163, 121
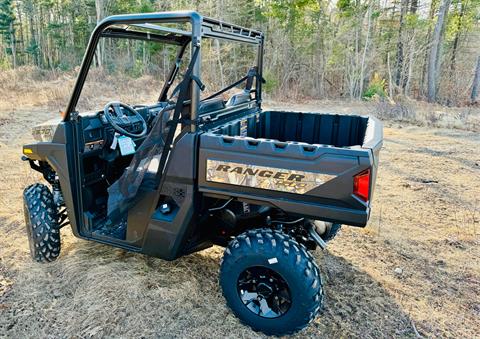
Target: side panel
308, 180
164, 235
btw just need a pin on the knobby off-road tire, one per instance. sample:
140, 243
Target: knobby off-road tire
267, 249
41, 222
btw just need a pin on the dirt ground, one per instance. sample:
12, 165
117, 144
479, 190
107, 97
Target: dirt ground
414, 271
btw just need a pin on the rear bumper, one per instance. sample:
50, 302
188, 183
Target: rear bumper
335, 214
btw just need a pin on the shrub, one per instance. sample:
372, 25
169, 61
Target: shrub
375, 88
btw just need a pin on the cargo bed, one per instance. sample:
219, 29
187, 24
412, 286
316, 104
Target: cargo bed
302, 163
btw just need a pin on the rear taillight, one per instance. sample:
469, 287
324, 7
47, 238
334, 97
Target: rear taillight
361, 185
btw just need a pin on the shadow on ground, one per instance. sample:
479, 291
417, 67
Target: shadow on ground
94, 290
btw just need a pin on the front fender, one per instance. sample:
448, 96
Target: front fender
60, 159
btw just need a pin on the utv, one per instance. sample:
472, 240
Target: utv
183, 173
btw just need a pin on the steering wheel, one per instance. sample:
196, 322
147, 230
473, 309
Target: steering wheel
117, 117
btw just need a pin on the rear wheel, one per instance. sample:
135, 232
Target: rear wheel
271, 282
41, 221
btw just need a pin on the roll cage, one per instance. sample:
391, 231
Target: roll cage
134, 26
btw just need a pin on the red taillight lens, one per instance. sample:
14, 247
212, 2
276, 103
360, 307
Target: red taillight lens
361, 185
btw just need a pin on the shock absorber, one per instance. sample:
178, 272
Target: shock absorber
57, 192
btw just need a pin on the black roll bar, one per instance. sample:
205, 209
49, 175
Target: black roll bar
200, 27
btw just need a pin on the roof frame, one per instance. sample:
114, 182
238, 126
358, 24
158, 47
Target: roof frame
213, 28
114, 32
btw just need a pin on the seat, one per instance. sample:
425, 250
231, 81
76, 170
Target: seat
210, 105
238, 98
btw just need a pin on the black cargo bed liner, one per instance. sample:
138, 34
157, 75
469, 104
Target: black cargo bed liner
313, 128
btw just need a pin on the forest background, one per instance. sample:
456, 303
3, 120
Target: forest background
387, 50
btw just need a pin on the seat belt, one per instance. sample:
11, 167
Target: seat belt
252, 73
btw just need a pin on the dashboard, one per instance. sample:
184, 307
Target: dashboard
100, 165
98, 134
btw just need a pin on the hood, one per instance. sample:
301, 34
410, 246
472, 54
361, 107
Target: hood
45, 131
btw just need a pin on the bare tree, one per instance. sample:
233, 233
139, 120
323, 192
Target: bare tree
431, 16
365, 48
414, 6
433, 59
399, 76
13, 45
21, 42
101, 9
457, 37
476, 82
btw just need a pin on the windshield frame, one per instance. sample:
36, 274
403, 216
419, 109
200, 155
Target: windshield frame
167, 17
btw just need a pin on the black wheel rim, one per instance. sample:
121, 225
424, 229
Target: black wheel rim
264, 292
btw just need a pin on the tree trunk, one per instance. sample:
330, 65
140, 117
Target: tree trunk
100, 12
33, 39
399, 64
20, 25
411, 59
390, 78
41, 37
365, 49
431, 15
434, 57
476, 82
216, 42
457, 39
414, 6
13, 46
220, 64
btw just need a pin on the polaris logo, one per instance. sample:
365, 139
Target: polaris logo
261, 177
261, 173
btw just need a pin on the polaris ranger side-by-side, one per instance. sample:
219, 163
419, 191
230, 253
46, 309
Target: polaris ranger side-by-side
184, 173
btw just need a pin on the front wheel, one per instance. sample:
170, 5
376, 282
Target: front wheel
42, 225
271, 282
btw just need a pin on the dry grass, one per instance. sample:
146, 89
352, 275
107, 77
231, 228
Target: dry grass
425, 225
30, 87
403, 110
430, 115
